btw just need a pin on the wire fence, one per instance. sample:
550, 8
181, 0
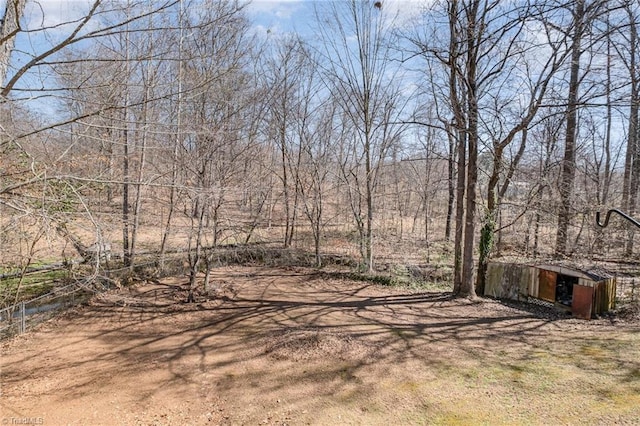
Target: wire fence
18, 318
22, 316
627, 290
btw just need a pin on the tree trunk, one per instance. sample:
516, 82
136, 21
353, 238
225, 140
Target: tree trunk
603, 192
176, 145
632, 157
460, 135
451, 194
125, 188
144, 119
195, 258
369, 231
569, 160
467, 288
460, 193
9, 28
125, 154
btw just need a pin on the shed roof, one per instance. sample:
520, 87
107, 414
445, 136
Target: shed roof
591, 274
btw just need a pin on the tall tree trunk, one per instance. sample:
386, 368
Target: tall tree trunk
125, 147
460, 136
176, 145
125, 183
489, 226
137, 204
285, 189
9, 28
368, 129
632, 157
284, 158
607, 142
568, 172
467, 288
603, 192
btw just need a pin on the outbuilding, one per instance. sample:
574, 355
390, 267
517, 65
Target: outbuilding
583, 293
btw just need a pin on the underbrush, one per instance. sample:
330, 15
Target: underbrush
629, 311
427, 277
410, 277
54, 287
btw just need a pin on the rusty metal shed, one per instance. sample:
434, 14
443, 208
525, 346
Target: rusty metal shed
583, 293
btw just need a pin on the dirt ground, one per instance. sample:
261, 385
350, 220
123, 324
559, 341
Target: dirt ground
293, 346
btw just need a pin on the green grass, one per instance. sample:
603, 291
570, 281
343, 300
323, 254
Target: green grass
33, 285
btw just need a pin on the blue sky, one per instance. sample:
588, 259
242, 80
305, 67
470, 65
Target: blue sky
298, 15
282, 15
272, 16
276, 17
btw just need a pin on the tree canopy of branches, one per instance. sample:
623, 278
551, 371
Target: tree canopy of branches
504, 124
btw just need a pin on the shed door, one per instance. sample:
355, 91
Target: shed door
547, 285
582, 301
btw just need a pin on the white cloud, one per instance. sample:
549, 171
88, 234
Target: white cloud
280, 16
405, 10
50, 13
280, 9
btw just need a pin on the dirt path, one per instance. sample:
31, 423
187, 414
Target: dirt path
294, 347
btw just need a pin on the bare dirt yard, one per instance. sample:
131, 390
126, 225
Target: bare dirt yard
294, 346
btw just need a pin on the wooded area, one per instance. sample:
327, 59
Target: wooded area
476, 128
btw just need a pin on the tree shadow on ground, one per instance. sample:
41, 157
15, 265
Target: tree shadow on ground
335, 327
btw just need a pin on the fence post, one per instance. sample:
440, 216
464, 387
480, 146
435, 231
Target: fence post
23, 319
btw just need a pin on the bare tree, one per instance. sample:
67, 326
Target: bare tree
461, 55
286, 69
317, 144
546, 137
54, 57
631, 60
582, 15
361, 76
217, 69
527, 66
425, 176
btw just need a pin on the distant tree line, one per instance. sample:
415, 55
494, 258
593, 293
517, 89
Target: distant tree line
497, 125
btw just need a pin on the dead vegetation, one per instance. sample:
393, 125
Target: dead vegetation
312, 343
629, 312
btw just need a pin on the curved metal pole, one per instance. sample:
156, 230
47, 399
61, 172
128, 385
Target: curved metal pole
606, 219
